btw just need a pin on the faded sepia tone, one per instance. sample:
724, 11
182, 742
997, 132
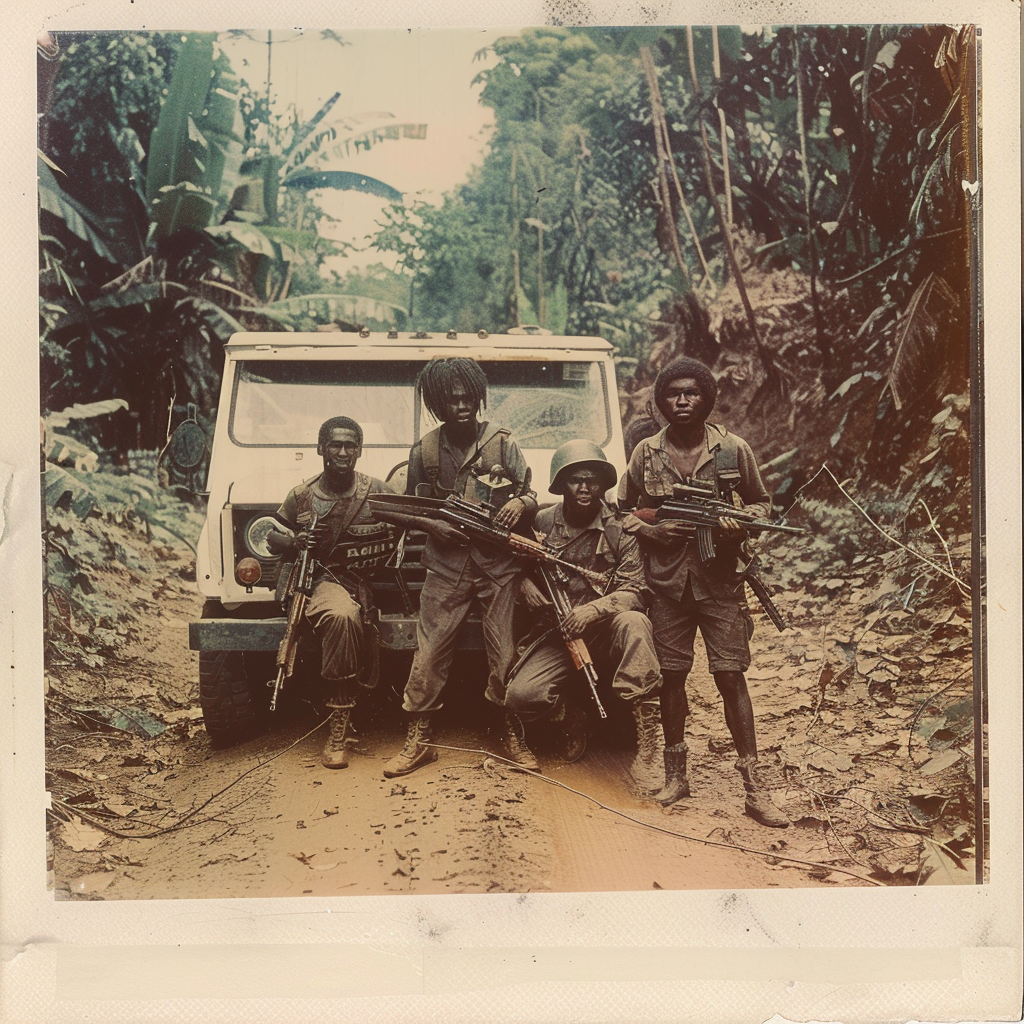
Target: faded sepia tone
784, 205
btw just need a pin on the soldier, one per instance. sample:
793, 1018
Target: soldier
689, 594
345, 534
586, 531
466, 457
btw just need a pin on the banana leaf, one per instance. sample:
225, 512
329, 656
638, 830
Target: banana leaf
344, 180
189, 148
77, 218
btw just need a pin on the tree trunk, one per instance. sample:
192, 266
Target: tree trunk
730, 253
717, 64
820, 340
666, 163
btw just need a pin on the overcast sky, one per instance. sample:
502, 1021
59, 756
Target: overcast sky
421, 76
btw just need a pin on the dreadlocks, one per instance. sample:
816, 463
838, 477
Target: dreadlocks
338, 423
439, 376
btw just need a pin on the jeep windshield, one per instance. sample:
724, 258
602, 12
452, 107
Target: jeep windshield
279, 403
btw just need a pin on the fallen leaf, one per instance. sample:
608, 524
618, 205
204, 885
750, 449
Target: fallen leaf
79, 836
942, 869
827, 761
809, 821
940, 762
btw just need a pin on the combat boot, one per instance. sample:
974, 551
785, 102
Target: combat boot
335, 752
677, 785
415, 754
758, 804
515, 743
646, 768
571, 723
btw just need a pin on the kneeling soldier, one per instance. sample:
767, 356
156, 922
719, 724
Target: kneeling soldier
346, 538
586, 531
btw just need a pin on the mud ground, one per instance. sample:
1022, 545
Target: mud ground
865, 723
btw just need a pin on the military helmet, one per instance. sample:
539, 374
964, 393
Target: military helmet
579, 452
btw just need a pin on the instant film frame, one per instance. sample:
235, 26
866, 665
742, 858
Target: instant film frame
898, 954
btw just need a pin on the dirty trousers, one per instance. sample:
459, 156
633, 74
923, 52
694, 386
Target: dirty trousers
444, 605
335, 617
622, 644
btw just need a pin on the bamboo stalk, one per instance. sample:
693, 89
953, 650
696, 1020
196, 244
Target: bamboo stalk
819, 333
719, 213
515, 239
663, 160
663, 140
716, 59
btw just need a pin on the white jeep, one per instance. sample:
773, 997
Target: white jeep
277, 390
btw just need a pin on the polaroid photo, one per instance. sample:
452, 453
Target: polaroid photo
407, 398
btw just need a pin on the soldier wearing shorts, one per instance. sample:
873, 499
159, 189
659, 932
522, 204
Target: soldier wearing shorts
688, 594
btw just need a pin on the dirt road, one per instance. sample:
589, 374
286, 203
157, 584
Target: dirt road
874, 780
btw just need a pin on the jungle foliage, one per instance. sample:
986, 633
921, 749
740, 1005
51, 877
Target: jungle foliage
786, 205
175, 210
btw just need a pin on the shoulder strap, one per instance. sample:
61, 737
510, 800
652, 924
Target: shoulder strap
613, 531
727, 466
304, 499
430, 450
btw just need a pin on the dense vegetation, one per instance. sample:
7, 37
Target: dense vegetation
786, 205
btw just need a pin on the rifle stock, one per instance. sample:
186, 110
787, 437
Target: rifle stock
474, 521
575, 645
300, 586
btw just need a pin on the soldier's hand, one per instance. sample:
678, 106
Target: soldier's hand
668, 533
579, 619
509, 513
305, 539
729, 525
279, 542
533, 595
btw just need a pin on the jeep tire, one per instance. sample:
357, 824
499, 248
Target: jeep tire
234, 695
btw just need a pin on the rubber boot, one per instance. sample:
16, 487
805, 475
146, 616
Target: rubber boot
677, 785
415, 754
758, 804
571, 723
646, 768
515, 744
335, 752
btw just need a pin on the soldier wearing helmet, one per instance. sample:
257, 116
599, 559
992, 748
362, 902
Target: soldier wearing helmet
544, 682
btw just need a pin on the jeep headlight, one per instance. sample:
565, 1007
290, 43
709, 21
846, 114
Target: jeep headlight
255, 535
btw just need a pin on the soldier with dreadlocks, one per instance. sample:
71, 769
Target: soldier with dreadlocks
460, 457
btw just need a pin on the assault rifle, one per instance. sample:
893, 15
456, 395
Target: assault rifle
474, 522
296, 594
697, 506
574, 644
